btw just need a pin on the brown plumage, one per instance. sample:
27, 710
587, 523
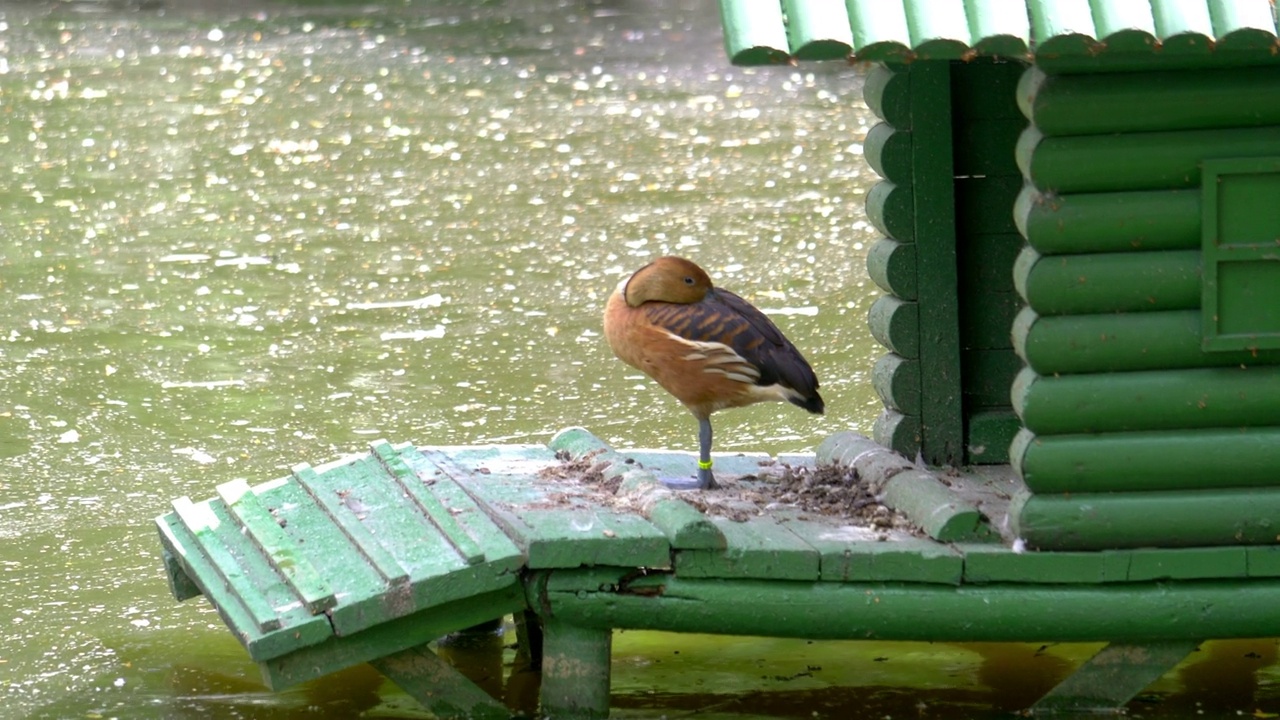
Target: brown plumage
705, 345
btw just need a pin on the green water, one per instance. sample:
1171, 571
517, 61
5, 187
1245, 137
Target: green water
243, 236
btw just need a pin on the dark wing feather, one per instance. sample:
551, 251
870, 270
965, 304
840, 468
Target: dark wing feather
724, 317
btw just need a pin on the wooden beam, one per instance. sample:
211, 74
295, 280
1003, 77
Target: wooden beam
1109, 680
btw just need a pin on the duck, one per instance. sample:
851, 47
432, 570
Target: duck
706, 346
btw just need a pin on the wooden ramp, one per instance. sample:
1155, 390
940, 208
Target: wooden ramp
370, 558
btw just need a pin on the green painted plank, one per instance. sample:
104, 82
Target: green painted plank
1099, 521
939, 30
1121, 343
576, 536
203, 524
432, 681
1109, 222
1244, 25
575, 670
999, 564
895, 324
897, 431
466, 546
1188, 564
888, 152
886, 93
983, 205
985, 262
1109, 282
934, 613
1207, 459
986, 147
988, 434
180, 583
1224, 397
284, 555
1096, 103
897, 382
850, 553
1134, 161
761, 548
1062, 27
341, 652
988, 377
818, 29
940, 513
880, 31
299, 628
1113, 677
890, 209
360, 538
984, 89
986, 319
367, 597
892, 266
938, 348
500, 552
364, 494
999, 27
1263, 560
754, 33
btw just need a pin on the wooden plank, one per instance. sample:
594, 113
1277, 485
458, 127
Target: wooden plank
988, 377
1109, 222
897, 431
466, 546
897, 382
1134, 161
1171, 519
575, 670
341, 652
432, 681
988, 434
986, 319
892, 266
261, 611
985, 148
180, 583
367, 597
1209, 459
940, 513
942, 441
918, 611
1110, 679
284, 555
888, 152
986, 262
999, 564
1188, 563
986, 89
762, 548
1227, 397
895, 324
983, 205
358, 536
850, 553
203, 524
1263, 560
1093, 103
890, 209
1121, 343
1109, 282
886, 94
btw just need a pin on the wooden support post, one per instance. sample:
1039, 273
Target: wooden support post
575, 670
444, 691
1110, 679
942, 431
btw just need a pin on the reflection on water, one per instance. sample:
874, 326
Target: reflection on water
244, 235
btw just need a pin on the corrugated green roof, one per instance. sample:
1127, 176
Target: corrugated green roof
1083, 32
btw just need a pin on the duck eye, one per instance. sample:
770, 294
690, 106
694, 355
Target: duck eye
688, 280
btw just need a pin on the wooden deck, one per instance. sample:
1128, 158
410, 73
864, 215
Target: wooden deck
370, 558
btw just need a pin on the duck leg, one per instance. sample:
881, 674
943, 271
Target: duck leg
706, 481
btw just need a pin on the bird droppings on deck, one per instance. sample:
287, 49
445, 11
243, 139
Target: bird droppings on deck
777, 489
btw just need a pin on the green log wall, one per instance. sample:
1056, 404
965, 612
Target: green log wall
945, 256
1135, 435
